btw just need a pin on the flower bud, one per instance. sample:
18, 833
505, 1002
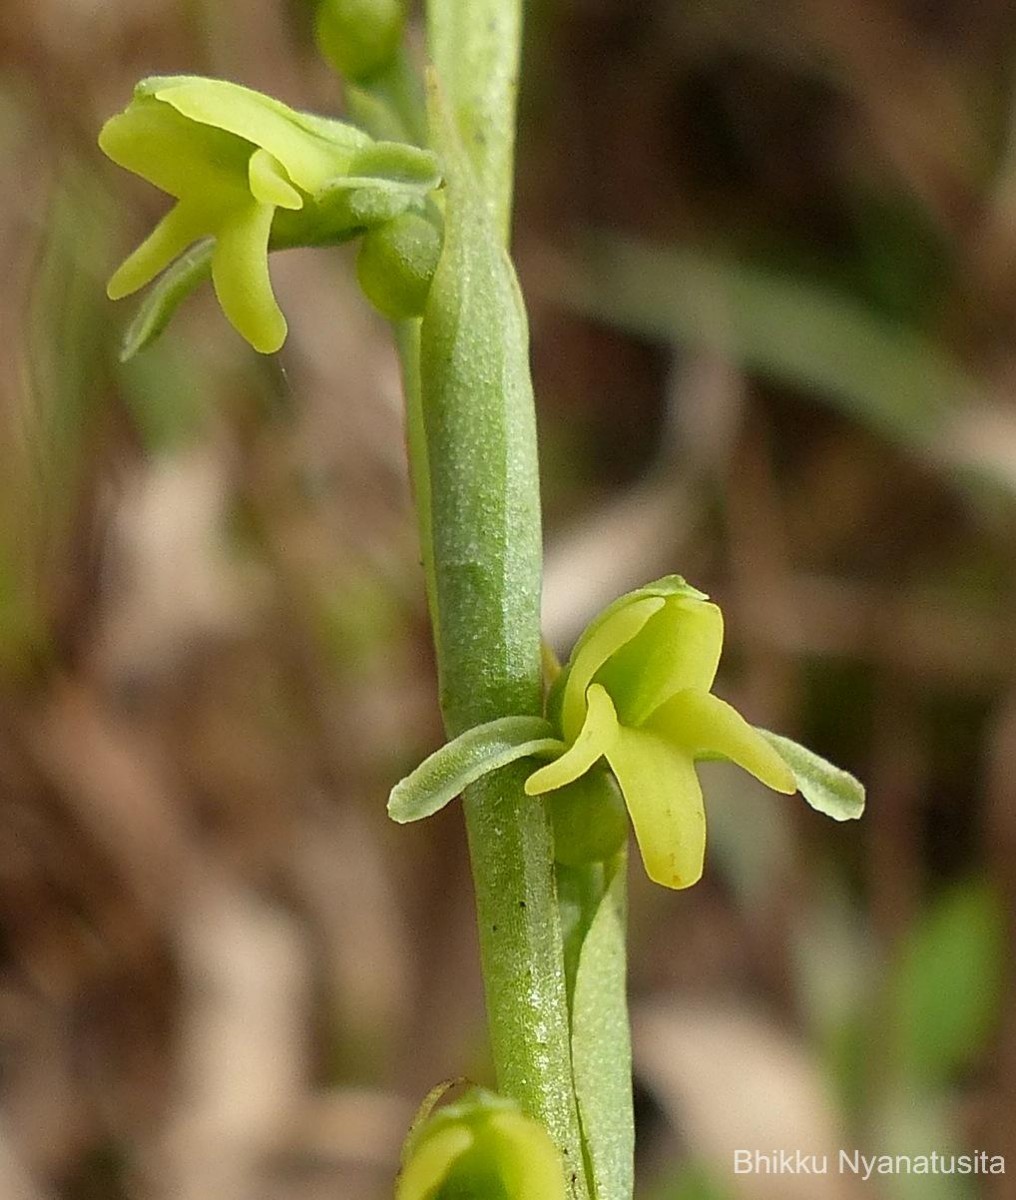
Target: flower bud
481, 1147
396, 264
359, 37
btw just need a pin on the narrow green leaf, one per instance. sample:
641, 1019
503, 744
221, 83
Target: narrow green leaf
475, 753
165, 297
579, 892
828, 789
601, 1045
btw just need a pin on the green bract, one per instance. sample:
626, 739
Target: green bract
481, 1148
248, 171
636, 693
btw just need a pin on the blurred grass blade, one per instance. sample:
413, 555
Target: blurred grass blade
828, 789
948, 986
47, 439
792, 331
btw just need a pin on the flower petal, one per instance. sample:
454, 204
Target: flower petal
156, 142
594, 740
268, 182
602, 639
706, 726
664, 799
241, 279
339, 133
678, 648
182, 225
309, 158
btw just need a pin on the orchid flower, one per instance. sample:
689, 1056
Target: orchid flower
247, 171
636, 696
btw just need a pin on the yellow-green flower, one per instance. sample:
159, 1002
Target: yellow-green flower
635, 695
636, 692
481, 1148
234, 160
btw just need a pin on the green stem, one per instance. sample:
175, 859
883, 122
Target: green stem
471, 438
407, 342
476, 427
522, 958
475, 45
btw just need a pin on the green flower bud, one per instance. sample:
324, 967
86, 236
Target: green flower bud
481, 1148
589, 819
396, 264
359, 37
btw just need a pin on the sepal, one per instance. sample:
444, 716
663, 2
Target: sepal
457, 764
828, 789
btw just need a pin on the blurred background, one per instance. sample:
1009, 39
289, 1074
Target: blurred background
770, 255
